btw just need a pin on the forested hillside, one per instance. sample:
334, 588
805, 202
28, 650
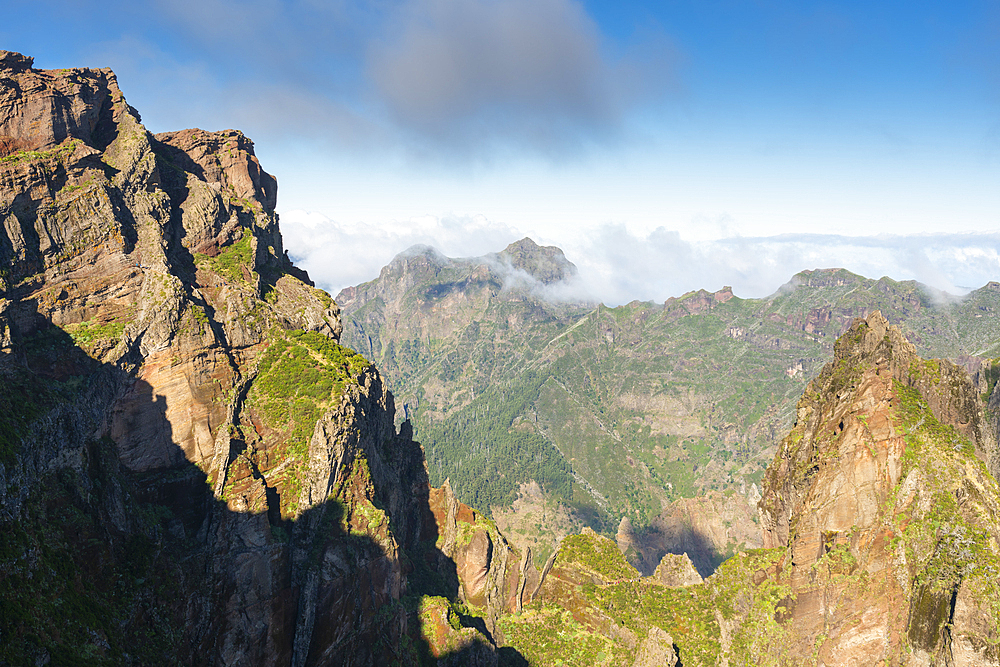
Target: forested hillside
619, 411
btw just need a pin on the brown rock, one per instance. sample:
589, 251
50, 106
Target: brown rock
837, 497
222, 159
473, 562
656, 650
43, 108
676, 571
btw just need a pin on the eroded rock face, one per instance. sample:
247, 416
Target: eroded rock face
656, 649
491, 574
41, 109
881, 479
239, 492
675, 570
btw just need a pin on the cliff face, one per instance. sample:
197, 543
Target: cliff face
882, 539
192, 470
883, 497
653, 412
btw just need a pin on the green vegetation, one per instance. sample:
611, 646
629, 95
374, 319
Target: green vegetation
69, 591
300, 375
486, 457
689, 614
60, 152
200, 318
27, 396
89, 332
233, 259
547, 632
548, 635
597, 554
923, 428
645, 402
947, 544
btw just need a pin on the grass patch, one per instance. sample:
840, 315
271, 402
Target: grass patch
230, 262
598, 554
300, 375
89, 332
548, 635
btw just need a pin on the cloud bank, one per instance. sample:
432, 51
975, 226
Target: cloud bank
478, 71
620, 266
617, 265
429, 78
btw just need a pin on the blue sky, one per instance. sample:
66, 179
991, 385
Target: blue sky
665, 146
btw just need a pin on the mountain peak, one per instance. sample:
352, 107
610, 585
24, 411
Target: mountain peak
12, 61
547, 264
874, 340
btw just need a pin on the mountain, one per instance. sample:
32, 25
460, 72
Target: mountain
620, 413
882, 531
192, 469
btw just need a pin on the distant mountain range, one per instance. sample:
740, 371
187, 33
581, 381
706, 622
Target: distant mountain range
619, 412
194, 471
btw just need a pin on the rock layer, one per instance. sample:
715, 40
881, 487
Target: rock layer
882, 495
192, 470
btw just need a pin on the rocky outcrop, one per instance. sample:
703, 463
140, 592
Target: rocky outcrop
656, 649
42, 109
677, 570
491, 574
692, 303
883, 499
192, 469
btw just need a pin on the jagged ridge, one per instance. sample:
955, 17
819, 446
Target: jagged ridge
192, 470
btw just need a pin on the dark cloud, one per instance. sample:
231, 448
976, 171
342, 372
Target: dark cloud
493, 66
530, 70
435, 78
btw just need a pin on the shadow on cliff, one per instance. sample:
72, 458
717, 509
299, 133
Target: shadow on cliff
106, 565
654, 542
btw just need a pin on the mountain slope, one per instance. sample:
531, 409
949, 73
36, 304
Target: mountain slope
627, 409
192, 469
883, 536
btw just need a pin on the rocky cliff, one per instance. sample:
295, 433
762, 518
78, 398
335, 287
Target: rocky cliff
192, 469
885, 497
881, 513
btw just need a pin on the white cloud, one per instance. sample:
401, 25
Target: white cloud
620, 266
617, 265
338, 255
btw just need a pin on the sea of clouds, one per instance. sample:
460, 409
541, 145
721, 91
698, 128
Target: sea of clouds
617, 265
